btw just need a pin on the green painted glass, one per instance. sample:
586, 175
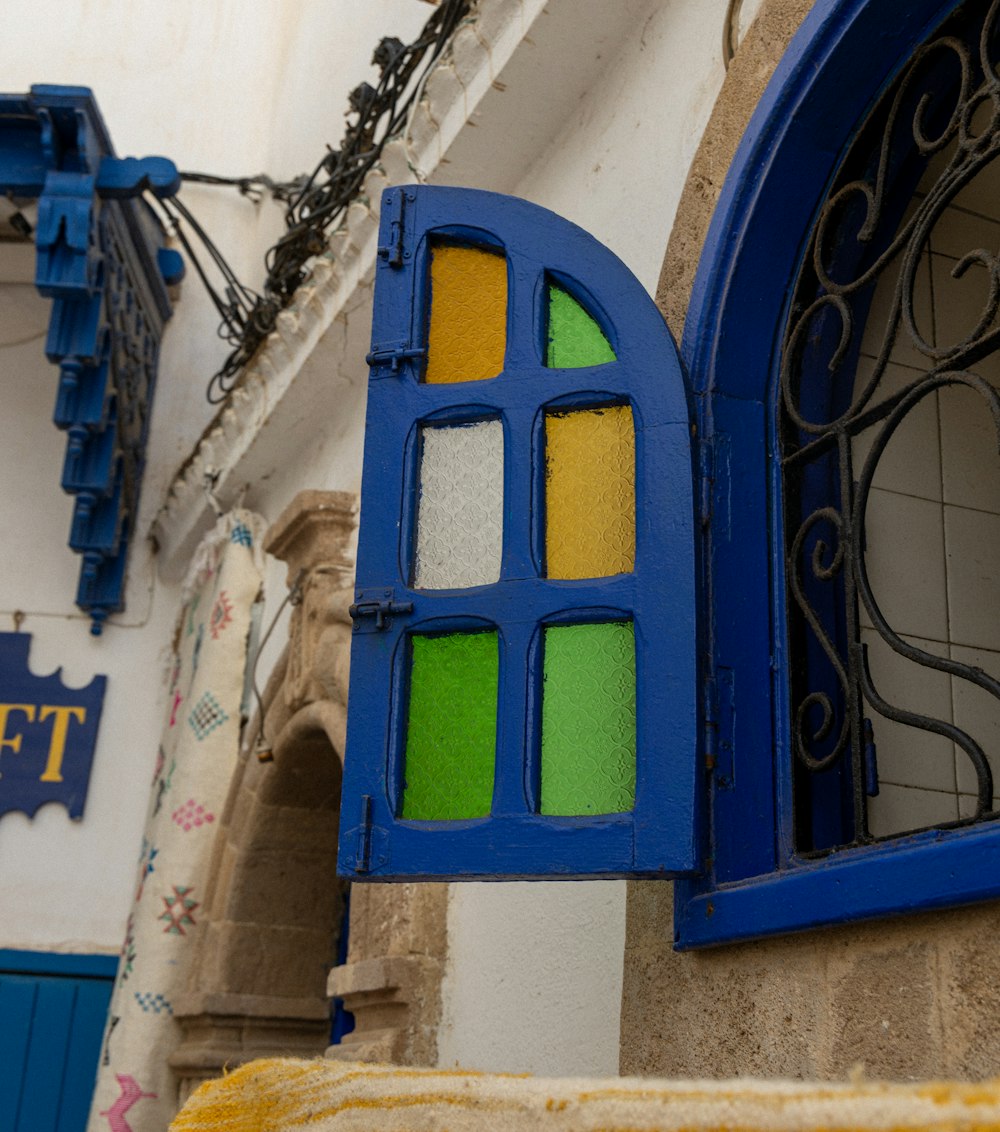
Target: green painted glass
574, 338
451, 728
588, 719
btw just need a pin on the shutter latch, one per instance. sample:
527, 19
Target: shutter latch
380, 607
392, 354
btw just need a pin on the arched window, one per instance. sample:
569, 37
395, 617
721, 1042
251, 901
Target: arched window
529, 695
523, 693
852, 419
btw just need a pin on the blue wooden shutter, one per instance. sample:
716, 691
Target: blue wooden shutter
511, 837
51, 1026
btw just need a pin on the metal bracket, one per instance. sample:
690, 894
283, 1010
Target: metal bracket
380, 606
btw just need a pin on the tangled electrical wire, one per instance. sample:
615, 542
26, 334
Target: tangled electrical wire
315, 203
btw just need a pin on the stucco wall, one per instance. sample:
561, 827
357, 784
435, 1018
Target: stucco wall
218, 89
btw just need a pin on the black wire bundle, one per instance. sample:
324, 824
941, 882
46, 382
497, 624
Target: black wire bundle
315, 203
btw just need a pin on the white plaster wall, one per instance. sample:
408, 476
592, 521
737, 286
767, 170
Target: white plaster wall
618, 164
225, 88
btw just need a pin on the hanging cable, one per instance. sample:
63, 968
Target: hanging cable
316, 202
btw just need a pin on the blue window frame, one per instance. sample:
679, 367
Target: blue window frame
510, 835
842, 60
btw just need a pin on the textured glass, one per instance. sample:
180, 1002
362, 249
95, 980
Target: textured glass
468, 331
460, 511
588, 719
451, 728
590, 493
574, 338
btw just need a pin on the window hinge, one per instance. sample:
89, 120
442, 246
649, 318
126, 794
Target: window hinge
371, 849
720, 712
706, 478
391, 249
380, 606
711, 720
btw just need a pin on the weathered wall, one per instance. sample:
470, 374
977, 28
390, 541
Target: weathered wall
908, 998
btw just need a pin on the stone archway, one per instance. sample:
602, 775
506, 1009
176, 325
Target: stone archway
259, 984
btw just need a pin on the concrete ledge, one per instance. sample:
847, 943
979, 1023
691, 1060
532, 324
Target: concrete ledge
267, 1096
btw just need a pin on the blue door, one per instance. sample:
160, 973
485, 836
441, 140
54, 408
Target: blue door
52, 1013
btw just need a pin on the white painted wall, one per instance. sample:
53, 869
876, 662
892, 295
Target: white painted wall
225, 88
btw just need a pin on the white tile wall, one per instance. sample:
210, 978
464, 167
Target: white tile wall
933, 535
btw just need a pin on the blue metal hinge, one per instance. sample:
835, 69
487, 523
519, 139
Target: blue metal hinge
711, 720
371, 844
393, 354
720, 727
380, 607
706, 480
392, 251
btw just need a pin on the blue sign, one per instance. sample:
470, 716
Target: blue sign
47, 733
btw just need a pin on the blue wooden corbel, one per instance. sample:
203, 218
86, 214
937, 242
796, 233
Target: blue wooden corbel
100, 258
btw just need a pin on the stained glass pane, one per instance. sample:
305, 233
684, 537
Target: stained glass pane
460, 511
574, 338
451, 727
590, 493
588, 719
468, 329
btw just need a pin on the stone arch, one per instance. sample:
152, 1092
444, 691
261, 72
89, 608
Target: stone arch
259, 982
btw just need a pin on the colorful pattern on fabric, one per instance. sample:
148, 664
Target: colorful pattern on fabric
206, 716
127, 959
221, 615
152, 1003
146, 866
194, 765
131, 1094
191, 815
180, 908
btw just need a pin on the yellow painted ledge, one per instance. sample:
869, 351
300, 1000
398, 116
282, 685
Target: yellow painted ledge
329, 1096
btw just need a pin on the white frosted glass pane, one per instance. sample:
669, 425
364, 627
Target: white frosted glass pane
460, 513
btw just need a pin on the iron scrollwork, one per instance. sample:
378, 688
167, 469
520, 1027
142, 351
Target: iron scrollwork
930, 136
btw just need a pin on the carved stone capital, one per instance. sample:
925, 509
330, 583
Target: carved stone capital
314, 536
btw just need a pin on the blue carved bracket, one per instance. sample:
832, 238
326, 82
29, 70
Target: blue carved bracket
100, 257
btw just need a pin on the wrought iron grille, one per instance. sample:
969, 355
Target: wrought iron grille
934, 132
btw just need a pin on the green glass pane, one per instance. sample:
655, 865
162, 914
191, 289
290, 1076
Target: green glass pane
574, 338
451, 728
588, 719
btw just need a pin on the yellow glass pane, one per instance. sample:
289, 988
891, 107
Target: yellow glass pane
468, 331
590, 493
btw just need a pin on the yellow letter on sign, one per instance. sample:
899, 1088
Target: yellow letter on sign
14, 742
57, 744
